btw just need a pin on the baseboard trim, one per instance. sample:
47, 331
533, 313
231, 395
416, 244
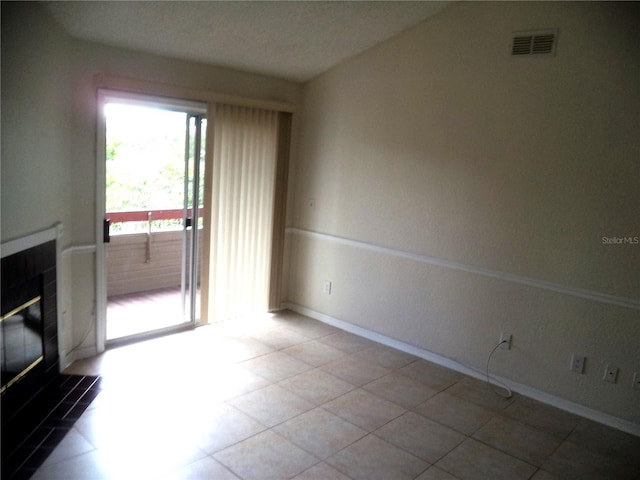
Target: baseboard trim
522, 389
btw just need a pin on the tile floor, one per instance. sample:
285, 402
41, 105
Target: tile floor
285, 397
33, 430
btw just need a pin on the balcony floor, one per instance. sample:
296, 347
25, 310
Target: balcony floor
141, 312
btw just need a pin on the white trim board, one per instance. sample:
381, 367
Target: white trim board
134, 85
524, 390
24, 243
73, 249
631, 303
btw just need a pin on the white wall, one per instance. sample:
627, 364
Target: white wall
36, 142
35, 111
439, 143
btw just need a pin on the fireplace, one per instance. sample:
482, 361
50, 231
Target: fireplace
28, 330
21, 347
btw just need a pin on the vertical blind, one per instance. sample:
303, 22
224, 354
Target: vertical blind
241, 190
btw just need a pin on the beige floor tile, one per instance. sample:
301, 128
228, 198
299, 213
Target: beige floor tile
206, 468
432, 375
386, 357
573, 462
420, 436
126, 459
72, 445
364, 409
517, 439
481, 393
606, 440
278, 337
265, 456
321, 471
314, 353
146, 454
241, 327
434, 473
317, 386
271, 405
88, 465
347, 342
103, 427
231, 350
473, 460
402, 390
455, 412
354, 370
372, 458
320, 432
228, 382
222, 426
311, 329
542, 475
275, 366
139, 428
542, 417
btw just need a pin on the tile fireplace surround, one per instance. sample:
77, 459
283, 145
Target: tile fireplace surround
29, 326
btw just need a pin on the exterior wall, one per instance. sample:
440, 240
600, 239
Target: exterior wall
459, 192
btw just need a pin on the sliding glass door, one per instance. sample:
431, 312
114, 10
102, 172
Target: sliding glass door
154, 172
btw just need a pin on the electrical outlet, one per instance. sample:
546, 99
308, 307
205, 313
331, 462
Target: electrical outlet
610, 374
326, 288
506, 338
311, 202
577, 363
636, 381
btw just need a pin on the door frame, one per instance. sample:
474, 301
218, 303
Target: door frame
103, 96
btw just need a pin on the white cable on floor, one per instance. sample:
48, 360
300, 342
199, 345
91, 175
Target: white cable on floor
509, 393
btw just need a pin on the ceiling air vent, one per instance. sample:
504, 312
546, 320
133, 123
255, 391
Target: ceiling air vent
540, 42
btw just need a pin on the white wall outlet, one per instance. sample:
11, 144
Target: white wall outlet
326, 288
506, 338
636, 381
311, 202
577, 363
610, 374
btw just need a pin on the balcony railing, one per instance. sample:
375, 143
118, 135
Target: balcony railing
147, 215
144, 259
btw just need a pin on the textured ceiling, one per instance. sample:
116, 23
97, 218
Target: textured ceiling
294, 40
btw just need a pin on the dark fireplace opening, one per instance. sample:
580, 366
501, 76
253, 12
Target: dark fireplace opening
28, 330
22, 335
